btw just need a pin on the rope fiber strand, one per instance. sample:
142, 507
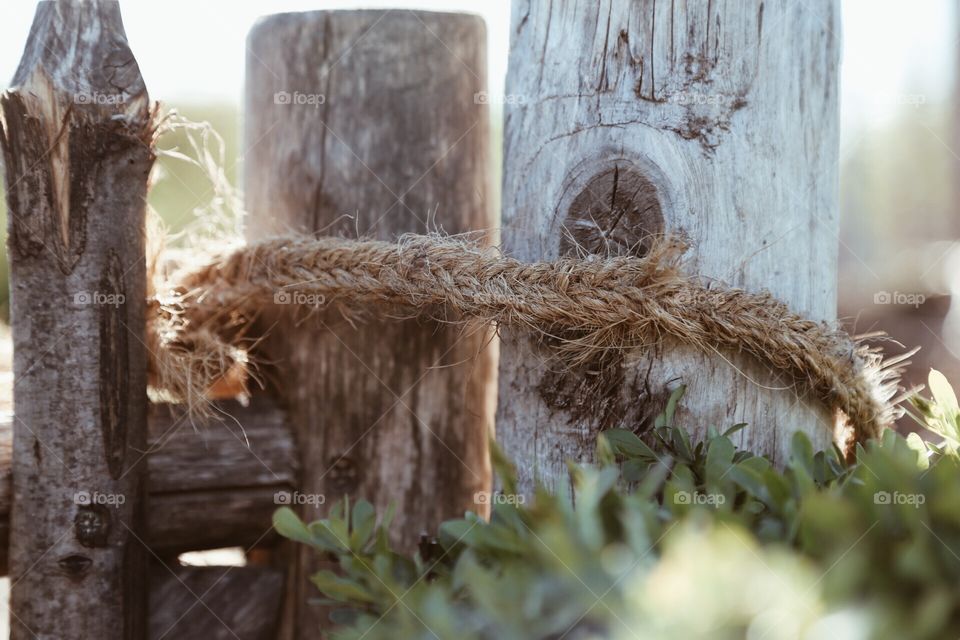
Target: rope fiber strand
626, 303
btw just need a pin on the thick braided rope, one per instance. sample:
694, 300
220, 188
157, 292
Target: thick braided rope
594, 303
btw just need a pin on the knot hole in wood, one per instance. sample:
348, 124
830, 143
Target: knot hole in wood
617, 212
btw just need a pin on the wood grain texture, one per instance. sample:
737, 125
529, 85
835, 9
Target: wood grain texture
215, 603
723, 118
395, 411
217, 483
76, 137
211, 484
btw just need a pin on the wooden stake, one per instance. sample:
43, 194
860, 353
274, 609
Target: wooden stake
374, 123
76, 138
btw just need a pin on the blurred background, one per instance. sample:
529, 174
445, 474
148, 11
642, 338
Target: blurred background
899, 155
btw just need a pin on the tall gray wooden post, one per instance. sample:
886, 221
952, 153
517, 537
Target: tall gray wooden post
625, 119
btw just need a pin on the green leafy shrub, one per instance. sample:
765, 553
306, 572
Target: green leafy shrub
674, 540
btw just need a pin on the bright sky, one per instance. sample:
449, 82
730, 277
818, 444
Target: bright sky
895, 51
192, 50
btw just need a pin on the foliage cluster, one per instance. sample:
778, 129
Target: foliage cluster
675, 540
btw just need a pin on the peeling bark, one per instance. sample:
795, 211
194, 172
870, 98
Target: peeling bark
76, 138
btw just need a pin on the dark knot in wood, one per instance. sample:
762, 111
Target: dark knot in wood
75, 565
92, 525
344, 475
617, 213
114, 367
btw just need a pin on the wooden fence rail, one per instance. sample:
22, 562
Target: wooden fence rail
206, 488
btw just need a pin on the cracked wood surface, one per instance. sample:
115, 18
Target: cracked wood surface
76, 137
723, 116
394, 411
238, 603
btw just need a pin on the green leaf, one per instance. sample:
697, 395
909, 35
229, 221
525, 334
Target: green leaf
945, 410
325, 538
605, 455
672, 404
655, 476
942, 392
340, 589
734, 429
629, 444
916, 443
363, 521
665, 419
749, 475
454, 532
681, 444
801, 450
719, 458
339, 509
289, 525
635, 470
339, 527
344, 616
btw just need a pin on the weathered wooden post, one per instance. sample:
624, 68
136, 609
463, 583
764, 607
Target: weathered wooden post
373, 123
77, 131
626, 119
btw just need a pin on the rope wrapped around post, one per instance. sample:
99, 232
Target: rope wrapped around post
587, 304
